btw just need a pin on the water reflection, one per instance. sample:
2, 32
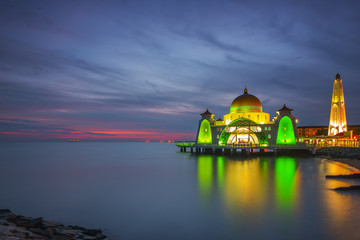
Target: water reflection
285, 171
157, 193
205, 175
220, 171
249, 185
340, 205
260, 187
245, 187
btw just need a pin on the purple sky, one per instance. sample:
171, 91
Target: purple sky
138, 70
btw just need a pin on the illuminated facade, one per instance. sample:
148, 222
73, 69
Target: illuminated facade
247, 106
315, 131
337, 122
246, 123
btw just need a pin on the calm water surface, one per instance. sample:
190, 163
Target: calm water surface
152, 191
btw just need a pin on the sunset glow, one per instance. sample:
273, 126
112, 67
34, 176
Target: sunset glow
91, 135
136, 70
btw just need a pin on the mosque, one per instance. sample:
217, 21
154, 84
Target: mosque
247, 124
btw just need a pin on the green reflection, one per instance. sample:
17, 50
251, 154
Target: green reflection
285, 169
247, 185
263, 164
264, 170
205, 175
220, 171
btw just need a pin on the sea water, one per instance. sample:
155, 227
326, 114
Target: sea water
153, 191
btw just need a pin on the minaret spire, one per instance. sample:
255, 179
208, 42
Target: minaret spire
245, 90
337, 122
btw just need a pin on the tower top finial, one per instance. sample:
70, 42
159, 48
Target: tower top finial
245, 90
337, 76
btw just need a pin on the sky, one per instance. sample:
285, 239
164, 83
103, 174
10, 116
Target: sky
145, 70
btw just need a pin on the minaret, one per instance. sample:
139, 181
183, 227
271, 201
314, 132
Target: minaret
337, 123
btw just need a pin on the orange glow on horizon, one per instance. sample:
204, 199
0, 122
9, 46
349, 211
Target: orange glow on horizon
101, 134
125, 132
20, 133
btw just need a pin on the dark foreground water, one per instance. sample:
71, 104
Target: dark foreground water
152, 191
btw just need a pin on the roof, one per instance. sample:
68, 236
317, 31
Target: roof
219, 119
246, 103
284, 108
206, 112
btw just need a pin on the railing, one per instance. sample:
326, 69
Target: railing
207, 145
335, 144
238, 145
247, 145
242, 145
185, 144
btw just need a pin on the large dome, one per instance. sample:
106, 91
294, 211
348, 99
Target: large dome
246, 103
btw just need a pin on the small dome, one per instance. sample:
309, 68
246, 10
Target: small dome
246, 103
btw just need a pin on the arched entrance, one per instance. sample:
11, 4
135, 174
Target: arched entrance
243, 131
242, 135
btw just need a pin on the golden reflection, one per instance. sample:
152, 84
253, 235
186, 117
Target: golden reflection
249, 186
254, 188
339, 205
336, 168
245, 186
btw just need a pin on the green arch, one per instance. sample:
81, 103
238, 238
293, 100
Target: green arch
244, 122
285, 134
205, 133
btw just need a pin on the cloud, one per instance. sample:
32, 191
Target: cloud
126, 65
214, 41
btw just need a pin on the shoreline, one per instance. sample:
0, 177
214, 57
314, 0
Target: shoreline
14, 226
347, 155
355, 163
